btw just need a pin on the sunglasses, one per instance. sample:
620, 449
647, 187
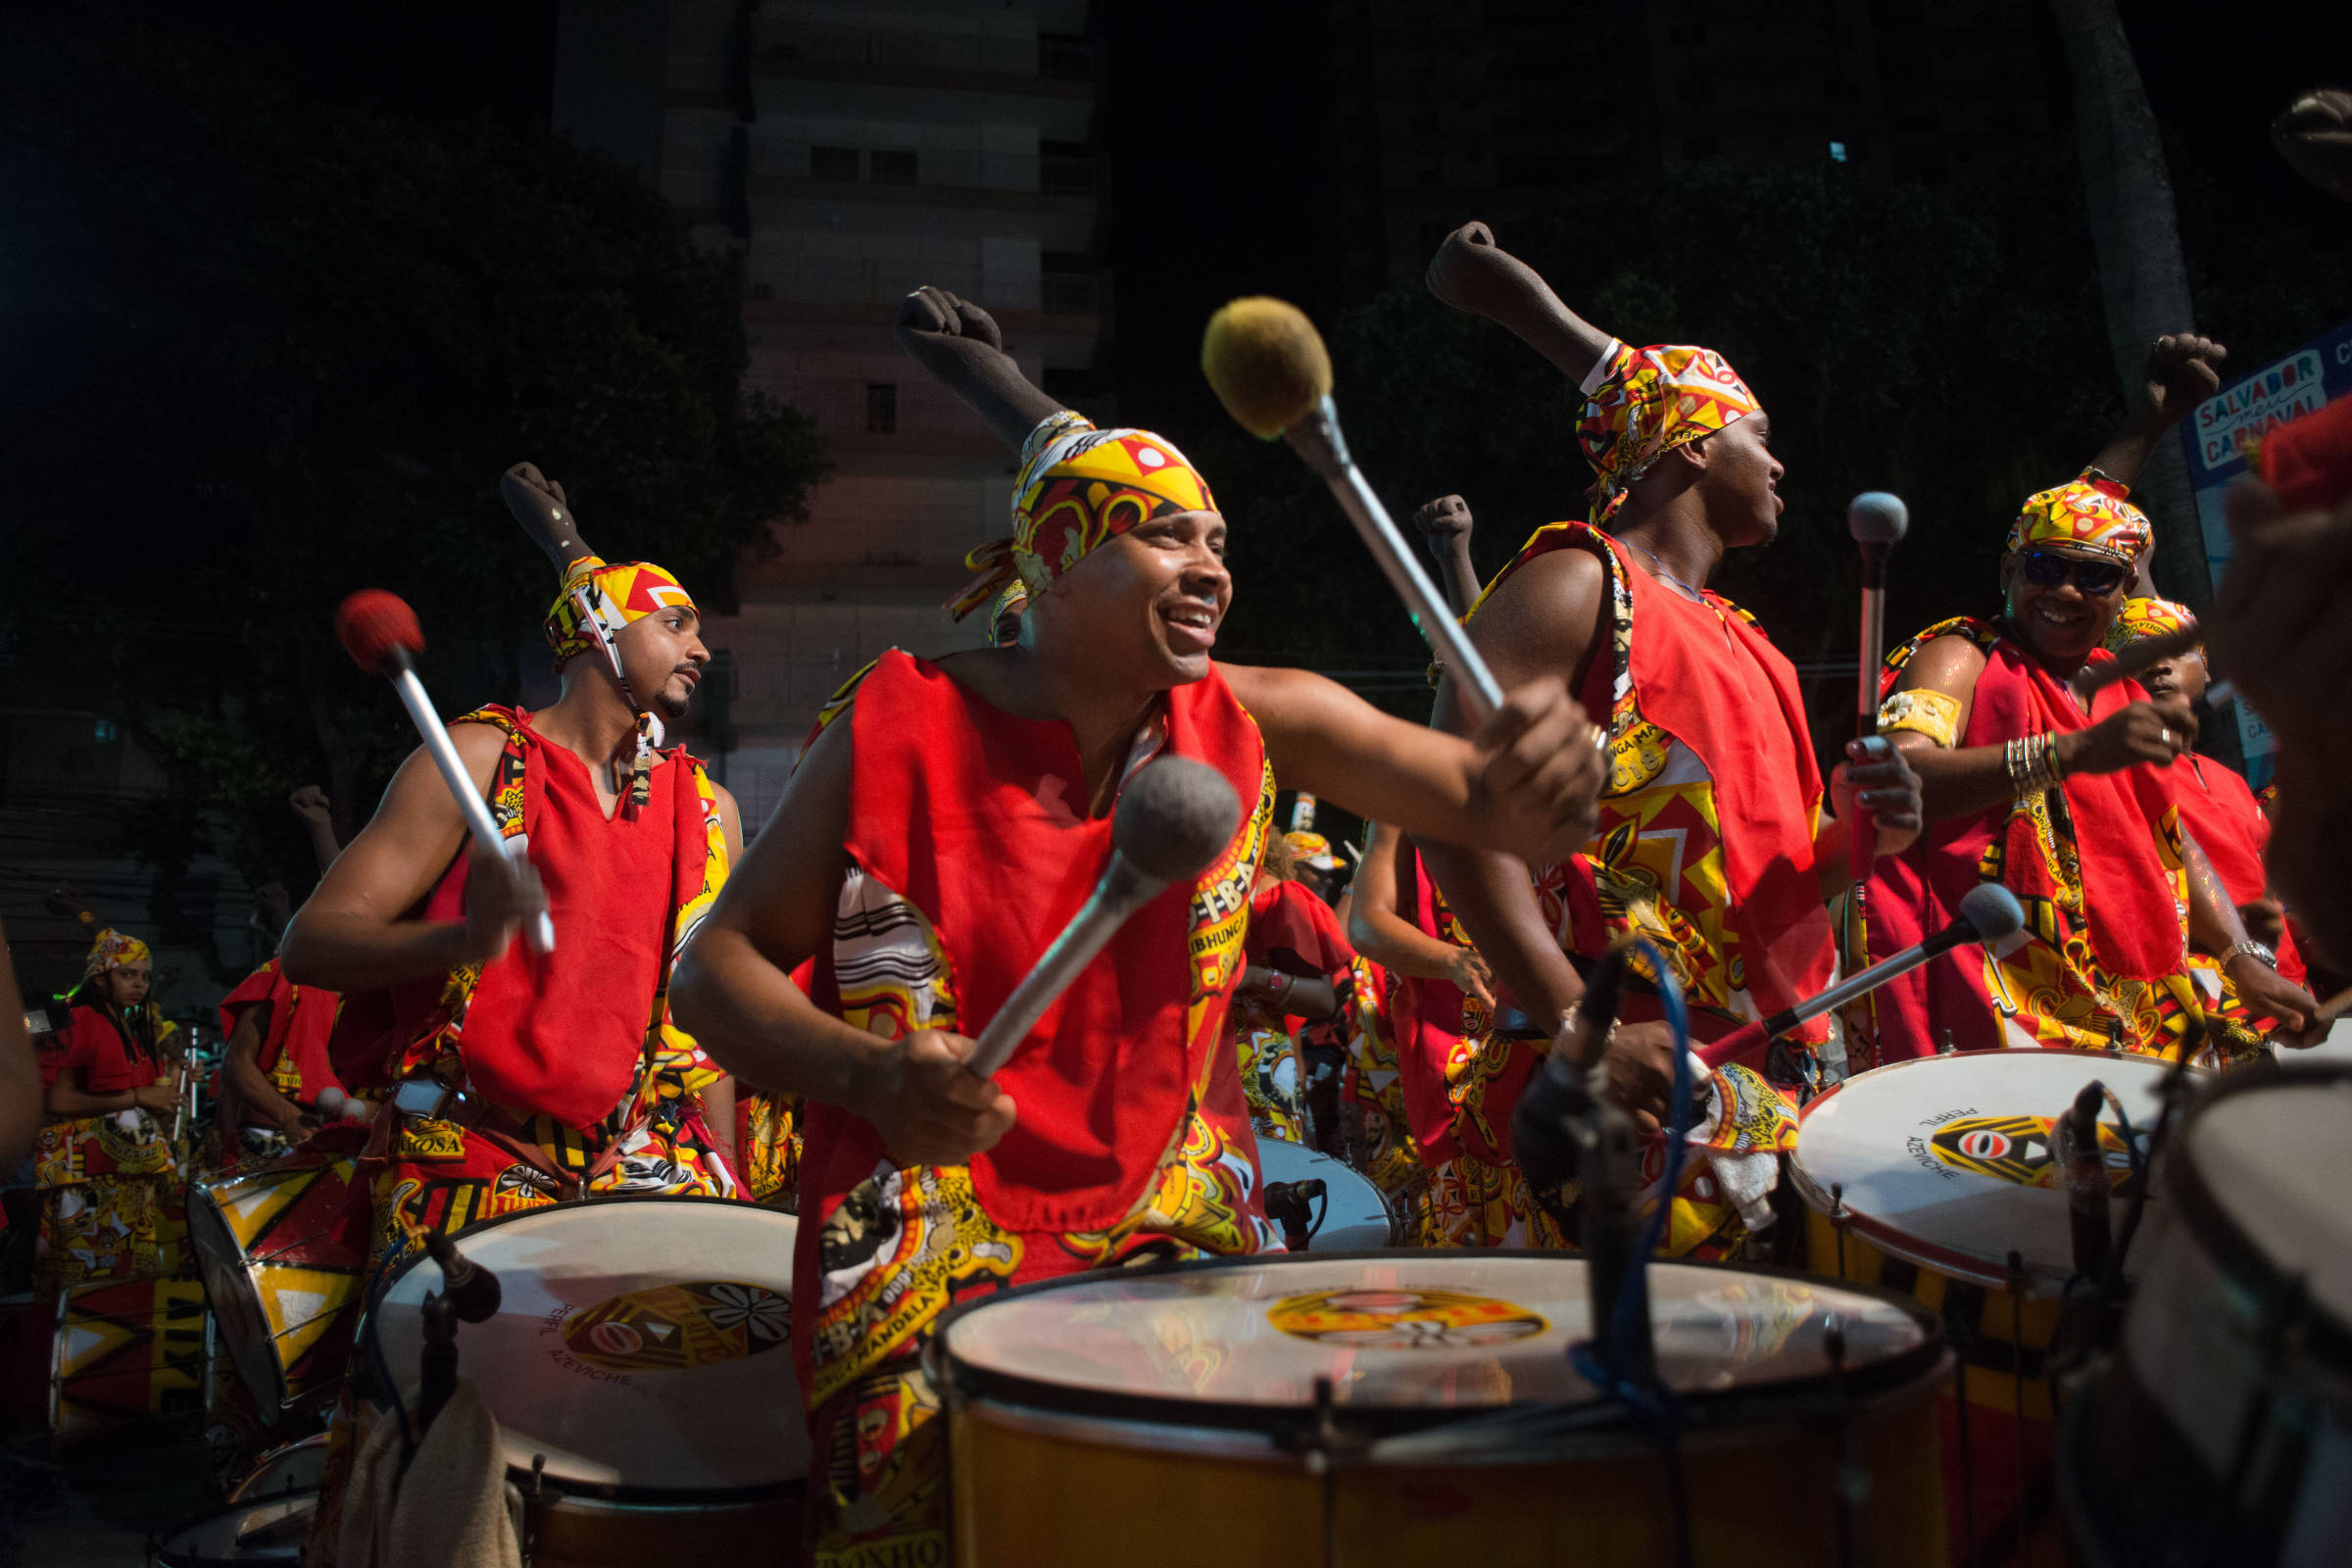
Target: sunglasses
2093, 577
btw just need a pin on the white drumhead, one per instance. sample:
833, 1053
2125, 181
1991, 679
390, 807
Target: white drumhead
295, 1467
2267, 1159
1946, 1161
269, 1531
1428, 1331
640, 1343
1354, 1218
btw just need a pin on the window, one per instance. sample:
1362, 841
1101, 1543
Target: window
833, 162
881, 406
891, 168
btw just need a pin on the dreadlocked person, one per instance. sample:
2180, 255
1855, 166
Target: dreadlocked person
1711, 841
104, 1160
938, 833
2069, 804
2218, 809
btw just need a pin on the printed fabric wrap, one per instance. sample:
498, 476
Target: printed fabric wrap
112, 949
1078, 487
596, 602
2148, 617
1650, 401
2089, 513
2096, 864
110, 1183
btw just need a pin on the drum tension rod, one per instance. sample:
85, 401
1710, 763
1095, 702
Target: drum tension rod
1851, 1478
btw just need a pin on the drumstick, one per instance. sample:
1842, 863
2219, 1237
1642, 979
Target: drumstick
1878, 521
1174, 817
379, 631
1988, 913
1269, 367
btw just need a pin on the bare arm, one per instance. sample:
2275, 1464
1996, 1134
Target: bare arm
20, 1095
311, 808
1473, 273
1527, 786
2214, 926
242, 1068
67, 1097
355, 933
1542, 620
2183, 371
957, 342
734, 993
1377, 931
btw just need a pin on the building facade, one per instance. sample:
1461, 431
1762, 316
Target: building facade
851, 155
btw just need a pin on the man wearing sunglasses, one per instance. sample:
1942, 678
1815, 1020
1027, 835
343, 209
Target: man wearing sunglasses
2071, 806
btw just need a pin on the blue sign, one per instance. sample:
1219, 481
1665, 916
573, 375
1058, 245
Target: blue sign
2216, 435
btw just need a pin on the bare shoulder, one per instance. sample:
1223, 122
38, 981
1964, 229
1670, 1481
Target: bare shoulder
1543, 617
1948, 665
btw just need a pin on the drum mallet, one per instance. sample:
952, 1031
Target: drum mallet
1270, 369
1988, 914
1173, 817
1878, 521
379, 631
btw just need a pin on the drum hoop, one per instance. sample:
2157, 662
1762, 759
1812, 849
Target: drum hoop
161, 1542
2233, 1252
571, 1486
1971, 1268
947, 1371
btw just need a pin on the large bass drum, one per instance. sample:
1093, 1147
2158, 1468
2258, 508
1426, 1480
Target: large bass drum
1411, 1409
130, 1358
1929, 1177
640, 1368
2222, 1430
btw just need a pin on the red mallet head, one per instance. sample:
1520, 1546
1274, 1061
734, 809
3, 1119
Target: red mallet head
378, 630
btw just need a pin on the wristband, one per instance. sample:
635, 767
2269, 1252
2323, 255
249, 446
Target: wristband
2257, 951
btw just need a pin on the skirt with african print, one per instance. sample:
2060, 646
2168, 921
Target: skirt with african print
1378, 1132
1273, 1082
908, 1243
769, 1144
110, 1201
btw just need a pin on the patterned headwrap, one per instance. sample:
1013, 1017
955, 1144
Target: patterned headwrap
1078, 487
2148, 617
1311, 849
597, 601
1005, 617
1649, 402
112, 950
2087, 514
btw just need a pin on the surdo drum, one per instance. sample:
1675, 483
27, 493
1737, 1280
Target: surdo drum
1350, 1215
640, 1368
1929, 1177
1421, 1408
2222, 1430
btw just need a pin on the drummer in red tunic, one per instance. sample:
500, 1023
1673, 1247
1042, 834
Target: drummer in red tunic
2069, 804
2216, 807
935, 838
1712, 841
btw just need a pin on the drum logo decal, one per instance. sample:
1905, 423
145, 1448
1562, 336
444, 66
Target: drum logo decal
671, 1328
1404, 1318
2017, 1149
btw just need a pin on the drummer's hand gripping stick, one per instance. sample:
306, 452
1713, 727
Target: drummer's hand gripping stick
1269, 367
379, 631
1988, 914
1173, 817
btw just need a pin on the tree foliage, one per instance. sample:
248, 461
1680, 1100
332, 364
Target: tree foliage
268, 348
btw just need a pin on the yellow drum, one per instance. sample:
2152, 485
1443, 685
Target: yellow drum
1419, 1408
129, 1355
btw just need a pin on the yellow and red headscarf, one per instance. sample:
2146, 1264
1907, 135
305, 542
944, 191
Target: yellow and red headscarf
1311, 849
596, 601
1650, 401
2148, 617
1076, 488
2086, 514
112, 950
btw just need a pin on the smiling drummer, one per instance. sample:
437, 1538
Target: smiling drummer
933, 839
2071, 806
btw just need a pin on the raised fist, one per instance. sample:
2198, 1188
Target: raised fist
931, 312
311, 804
1444, 519
2183, 371
1471, 272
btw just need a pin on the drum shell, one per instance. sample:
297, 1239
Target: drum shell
575, 1532
1758, 1496
285, 1253
130, 1354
